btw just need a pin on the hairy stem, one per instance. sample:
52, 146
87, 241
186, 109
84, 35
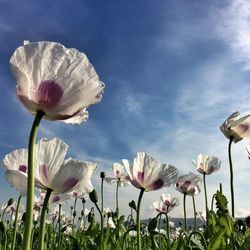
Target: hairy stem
31, 182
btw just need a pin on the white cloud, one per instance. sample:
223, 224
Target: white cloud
233, 27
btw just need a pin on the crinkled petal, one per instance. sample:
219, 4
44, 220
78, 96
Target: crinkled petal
80, 117
50, 154
72, 175
55, 79
17, 160
18, 180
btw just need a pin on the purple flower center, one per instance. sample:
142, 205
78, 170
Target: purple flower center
157, 184
48, 94
68, 184
22, 168
45, 171
140, 176
167, 203
55, 198
242, 128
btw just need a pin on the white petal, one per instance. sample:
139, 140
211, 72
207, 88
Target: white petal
16, 159
128, 167
72, 175
79, 118
118, 169
17, 180
50, 154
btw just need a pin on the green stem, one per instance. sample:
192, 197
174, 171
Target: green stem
84, 216
42, 221
231, 174
15, 224
185, 214
212, 203
101, 217
74, 214
117, 201
167, 227
194, 212
102, 195
31, 182
138, 229
201, 235
205, 192
59, 224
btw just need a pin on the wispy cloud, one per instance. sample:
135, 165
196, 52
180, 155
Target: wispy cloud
233, 27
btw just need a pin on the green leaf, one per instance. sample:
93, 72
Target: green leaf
246, 244
217, 241
221, 202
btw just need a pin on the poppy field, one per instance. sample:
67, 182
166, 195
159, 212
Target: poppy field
59, 84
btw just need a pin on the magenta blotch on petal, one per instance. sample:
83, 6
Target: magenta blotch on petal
22, 168
55, 198
242, 128
140, 176
45, 171
69, 183
157, 184
48, 94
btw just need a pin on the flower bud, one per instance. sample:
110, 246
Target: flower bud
3, 227
74, 213
10, 202
91, 216
102, 175
23, 216
132, 204
63, 229
93, 196
152, 224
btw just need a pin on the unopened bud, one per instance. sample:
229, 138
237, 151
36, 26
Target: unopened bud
91, 215
93, 196
102, 175
23, 216
3, 227
152, 224
10, 202
132, 204
74, 213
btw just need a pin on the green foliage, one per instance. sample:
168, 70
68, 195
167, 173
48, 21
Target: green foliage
221, 232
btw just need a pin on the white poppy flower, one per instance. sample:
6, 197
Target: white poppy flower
59, 198
78, 194
188, 184
121, 175
159, 206
16, 164
59, 81
235, 127
207, 164
169, 201
52, 172
148, 174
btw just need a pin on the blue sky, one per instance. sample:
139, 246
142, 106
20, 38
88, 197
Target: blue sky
174, 71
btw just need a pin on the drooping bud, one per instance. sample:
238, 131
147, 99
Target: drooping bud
10, 202
152, 225
132, 204
93, 196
